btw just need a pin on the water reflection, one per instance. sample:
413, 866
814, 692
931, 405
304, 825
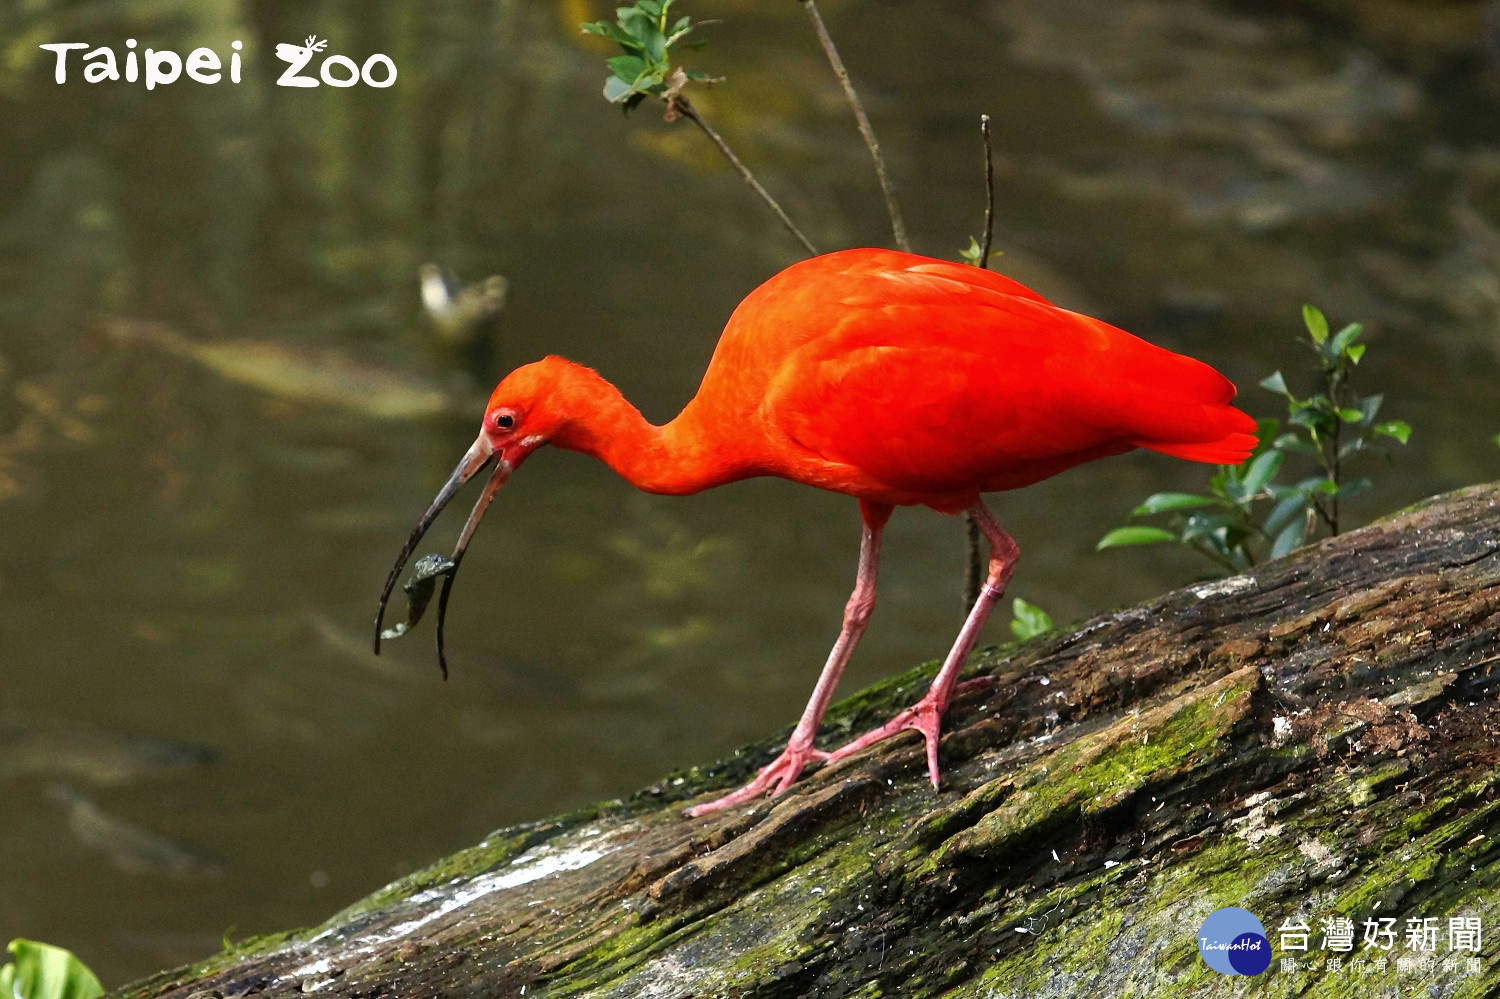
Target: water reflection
189, 552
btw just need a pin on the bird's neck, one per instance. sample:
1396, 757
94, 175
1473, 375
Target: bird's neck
681, 457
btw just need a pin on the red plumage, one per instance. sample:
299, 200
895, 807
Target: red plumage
901, 379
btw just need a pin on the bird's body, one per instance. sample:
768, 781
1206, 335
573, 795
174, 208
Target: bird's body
896, 379
904, 380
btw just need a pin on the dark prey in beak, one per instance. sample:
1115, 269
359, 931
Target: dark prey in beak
479, 456
419, 589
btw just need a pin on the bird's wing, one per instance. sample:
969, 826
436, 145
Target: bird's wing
931, 390
826, 294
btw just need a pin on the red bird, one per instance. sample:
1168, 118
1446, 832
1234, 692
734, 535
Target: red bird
897, 379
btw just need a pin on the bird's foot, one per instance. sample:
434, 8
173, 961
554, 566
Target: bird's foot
925, 716
775, 777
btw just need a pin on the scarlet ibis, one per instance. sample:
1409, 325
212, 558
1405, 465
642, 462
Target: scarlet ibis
897, 379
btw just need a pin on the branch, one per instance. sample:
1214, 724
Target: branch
989, 192
974, 568
680, 105
887, 188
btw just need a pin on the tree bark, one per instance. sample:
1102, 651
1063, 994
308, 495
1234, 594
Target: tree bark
1316, 738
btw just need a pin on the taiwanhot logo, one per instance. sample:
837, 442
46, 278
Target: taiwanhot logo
1233, 942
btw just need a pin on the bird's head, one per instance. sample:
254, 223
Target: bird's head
527, 410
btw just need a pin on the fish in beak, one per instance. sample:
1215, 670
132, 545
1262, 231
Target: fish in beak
479, 457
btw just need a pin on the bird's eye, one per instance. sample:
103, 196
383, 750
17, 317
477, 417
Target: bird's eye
504, 421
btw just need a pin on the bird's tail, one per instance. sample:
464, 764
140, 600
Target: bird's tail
1181, 407
1157, 399
1216, 433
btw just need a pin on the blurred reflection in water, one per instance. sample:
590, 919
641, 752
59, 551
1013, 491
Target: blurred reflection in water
193, 527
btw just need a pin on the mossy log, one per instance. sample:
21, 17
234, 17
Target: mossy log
1315, 738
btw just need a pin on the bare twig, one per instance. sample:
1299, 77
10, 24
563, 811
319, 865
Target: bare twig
887, 188
680, 105
974, 568
989, 191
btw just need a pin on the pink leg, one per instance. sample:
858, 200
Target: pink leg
779, 774
926, 714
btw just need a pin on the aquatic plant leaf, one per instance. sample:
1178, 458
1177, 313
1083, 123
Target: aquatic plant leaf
41, 971
425, 573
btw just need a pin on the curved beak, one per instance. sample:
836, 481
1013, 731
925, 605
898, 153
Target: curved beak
479, 455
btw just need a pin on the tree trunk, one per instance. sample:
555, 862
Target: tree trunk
1313, 739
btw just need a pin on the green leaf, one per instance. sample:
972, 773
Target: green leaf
1346, 337
681, 30
972, 254
612, 32
651, 81
1276, 383
1355, 352
627, 67
1316, 413
1317, 323
1291, 537
654, 43
1398, 429
1122, 537
1029, 620
41, 971
617, 90
1164, 502
1293, 444
1262, 470
1350, 415
1204, 525
635, 24
1292, 506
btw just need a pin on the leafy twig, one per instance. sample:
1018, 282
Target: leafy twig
648, 39
887, 188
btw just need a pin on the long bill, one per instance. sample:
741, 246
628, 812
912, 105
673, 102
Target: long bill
479, 455
497, 479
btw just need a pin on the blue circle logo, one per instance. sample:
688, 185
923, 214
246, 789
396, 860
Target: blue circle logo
1233, 942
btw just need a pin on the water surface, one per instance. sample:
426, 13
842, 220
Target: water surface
188, 563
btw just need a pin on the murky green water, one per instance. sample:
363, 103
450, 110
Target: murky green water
193, 740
